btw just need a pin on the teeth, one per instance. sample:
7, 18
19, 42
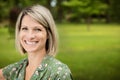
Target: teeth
30, 43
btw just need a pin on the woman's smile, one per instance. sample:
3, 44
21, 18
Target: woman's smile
30, 42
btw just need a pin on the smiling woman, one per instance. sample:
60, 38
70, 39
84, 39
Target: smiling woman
36, 36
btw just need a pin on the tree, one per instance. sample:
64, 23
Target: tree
115, 10
85, 9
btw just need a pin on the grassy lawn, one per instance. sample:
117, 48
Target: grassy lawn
91, 55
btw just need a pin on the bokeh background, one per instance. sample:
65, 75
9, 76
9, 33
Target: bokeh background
89, 35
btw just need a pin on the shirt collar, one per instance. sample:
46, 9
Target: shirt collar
43, 64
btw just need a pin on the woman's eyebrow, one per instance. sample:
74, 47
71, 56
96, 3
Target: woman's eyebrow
24, 26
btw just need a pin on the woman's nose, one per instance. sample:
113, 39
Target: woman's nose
31, 35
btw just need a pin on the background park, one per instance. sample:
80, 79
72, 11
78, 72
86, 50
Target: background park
89, 35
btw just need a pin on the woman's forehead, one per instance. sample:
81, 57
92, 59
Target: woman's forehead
29, 21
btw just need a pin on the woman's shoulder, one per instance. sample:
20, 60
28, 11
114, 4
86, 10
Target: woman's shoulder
59, 69
57, 65
12, 68
54, 61
16, 64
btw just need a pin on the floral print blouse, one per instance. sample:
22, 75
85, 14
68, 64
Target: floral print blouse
49, 69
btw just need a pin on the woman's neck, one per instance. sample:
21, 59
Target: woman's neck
34, 59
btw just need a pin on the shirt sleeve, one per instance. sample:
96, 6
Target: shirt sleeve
11, 71
8, 70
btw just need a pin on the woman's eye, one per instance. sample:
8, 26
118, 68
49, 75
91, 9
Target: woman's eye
37, 29
24, 29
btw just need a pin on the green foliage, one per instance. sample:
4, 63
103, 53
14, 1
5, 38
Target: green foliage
69, 10
4, 10
115, 10
7, 5
107, 9
86, 8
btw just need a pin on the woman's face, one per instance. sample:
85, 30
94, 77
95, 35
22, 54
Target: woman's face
33, 35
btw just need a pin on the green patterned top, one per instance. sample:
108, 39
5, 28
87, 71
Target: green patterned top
49, 69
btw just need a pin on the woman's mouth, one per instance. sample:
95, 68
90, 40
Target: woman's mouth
30, 42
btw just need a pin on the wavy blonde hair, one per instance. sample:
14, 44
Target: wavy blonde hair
43, 16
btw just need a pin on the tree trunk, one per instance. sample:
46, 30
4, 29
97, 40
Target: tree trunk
88, 21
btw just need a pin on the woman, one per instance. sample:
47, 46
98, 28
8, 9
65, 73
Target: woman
36, 35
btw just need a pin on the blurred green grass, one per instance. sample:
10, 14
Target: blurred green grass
91, 55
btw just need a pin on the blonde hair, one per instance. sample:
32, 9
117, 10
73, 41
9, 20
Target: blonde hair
44, 17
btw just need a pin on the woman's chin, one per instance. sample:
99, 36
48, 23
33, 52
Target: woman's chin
31, 51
